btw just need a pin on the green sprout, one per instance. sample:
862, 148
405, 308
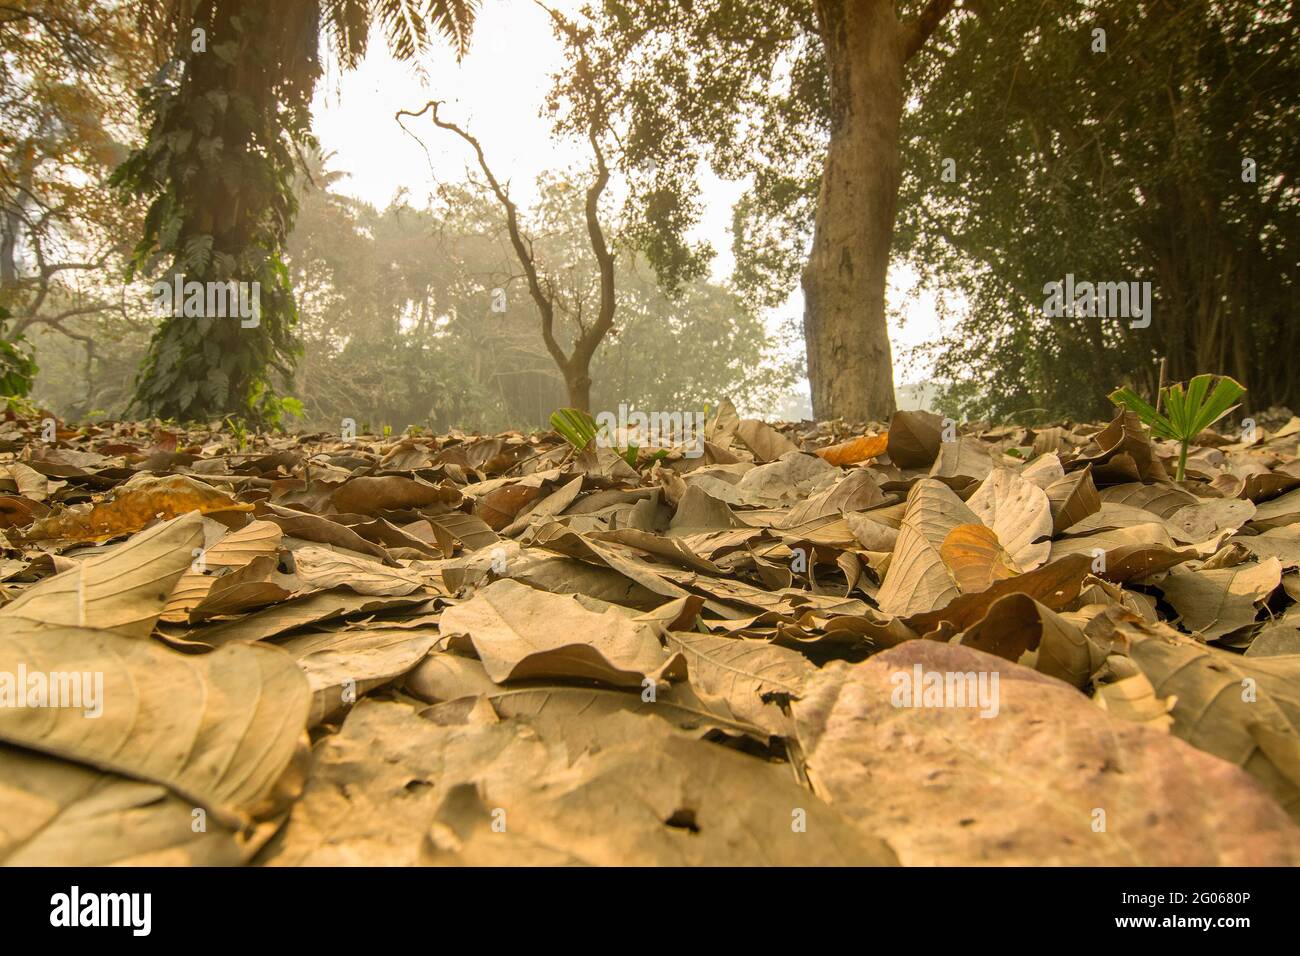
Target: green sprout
1190, 412
239, 429
575, 426
579, 429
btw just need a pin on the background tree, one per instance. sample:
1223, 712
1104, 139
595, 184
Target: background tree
226, 120
580, 105
399, 328
1167, 157
805, 100
65, 78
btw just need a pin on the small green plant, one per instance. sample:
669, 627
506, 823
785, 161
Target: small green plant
388, 431
575, 426
20, 407
239, 429
1190, 412
579, 429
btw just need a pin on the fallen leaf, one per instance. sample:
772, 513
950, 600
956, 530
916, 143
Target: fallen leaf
521, 633
866, 752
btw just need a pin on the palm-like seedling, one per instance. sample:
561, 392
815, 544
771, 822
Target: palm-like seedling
1190, 412
579, 429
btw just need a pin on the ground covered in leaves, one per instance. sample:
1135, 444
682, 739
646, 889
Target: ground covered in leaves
809, 644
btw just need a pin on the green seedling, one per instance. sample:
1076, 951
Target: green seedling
1190, 412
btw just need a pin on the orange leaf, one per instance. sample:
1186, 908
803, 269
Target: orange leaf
855, 450
975, 558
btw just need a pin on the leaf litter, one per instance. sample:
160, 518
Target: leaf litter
811, 644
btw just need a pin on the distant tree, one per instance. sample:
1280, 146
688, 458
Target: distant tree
65, 75
399, 325
227, 119
587, 114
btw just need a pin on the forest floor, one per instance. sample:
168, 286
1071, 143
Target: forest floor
806, 644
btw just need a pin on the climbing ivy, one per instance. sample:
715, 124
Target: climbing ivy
226, 116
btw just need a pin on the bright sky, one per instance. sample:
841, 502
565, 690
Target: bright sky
497, 92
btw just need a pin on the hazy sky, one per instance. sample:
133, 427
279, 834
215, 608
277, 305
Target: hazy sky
497, 91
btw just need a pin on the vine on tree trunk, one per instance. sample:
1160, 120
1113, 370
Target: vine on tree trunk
226, 116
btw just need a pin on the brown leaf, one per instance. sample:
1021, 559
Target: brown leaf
975, 558
918, 581
1220, 696
1017, 625
122, 590
1073, 497
763, 440
520, 633
1020, 514
867, 746
136, 506
855, 450
913, 439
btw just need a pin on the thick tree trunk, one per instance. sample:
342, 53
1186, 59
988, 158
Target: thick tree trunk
849, 361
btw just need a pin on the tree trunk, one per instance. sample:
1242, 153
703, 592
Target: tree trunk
849, 361
577, 382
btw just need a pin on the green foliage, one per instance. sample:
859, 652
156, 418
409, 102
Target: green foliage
218, 172
1190, 412
1125, 166
239, 428
17, 367
733, 87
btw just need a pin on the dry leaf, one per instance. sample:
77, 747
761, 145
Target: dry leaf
932, 780
520, 633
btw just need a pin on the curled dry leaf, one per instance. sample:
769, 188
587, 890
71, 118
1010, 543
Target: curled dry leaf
56, 813
918, 581
1073, 497
751, 679
324, 568
1017, 626
763, 440
1126, 692
855, 450
521, 633
1216, 603
1020, 514
220, 729
913, 439
975, 557
122, 590
1220, 696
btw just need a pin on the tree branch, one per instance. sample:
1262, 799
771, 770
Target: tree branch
917, 31
523, 246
